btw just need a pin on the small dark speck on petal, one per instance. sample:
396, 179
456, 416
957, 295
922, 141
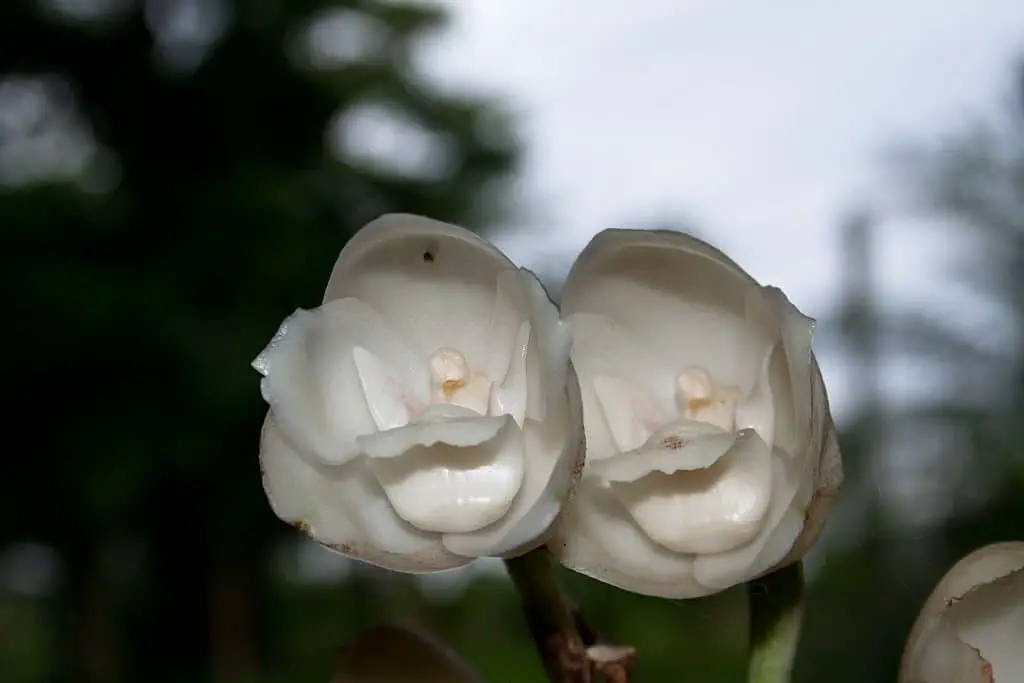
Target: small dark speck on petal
673, 443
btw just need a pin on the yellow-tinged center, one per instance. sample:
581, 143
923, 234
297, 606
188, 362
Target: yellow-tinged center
450, 386
700, 399
454, 382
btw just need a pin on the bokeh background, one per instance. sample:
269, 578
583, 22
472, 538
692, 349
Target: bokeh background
176, 176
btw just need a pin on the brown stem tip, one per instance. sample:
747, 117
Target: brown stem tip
595, 664
611, 662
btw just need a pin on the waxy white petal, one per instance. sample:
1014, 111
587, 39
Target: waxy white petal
509, 397
790, 367
510, 310
703, 510
669, 291
607, 544
344, 508
520, 298
434, 282
390, 401
817, 495
944, 658
449, 475
312, 383
441, 423
549, 352
969, 630
990, 620
758, 411
728, 568
546, 486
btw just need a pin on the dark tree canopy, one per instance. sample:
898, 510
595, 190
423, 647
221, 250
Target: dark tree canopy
178, 176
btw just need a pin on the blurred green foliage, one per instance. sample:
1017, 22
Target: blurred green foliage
176, 177
210, 207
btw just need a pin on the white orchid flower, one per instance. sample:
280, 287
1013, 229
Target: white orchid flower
711, 454
426, 413
971, 629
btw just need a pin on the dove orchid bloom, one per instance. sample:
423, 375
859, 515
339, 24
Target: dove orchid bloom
711, 453
426, 414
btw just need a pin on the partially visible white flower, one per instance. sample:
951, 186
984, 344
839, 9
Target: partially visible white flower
971, 629
711, 454
426, 413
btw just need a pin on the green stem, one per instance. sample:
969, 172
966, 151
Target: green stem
549, 617
776, 615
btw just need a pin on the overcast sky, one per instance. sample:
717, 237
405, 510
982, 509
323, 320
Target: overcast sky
759, 122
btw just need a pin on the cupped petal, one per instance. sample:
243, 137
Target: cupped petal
509, 395
976, 607
508, 314
344, 508
778, 533
555, 450
615, 240
982, 566
597, 537
312, 379
434, 282
805, 446
944, 658
990, 619
805, 432
790, 370
391, 401
757, 410
797, 332
817, 502
682, 297
777, 546
690, 505
449, 474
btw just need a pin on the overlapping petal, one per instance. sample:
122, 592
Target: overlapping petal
969, 630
